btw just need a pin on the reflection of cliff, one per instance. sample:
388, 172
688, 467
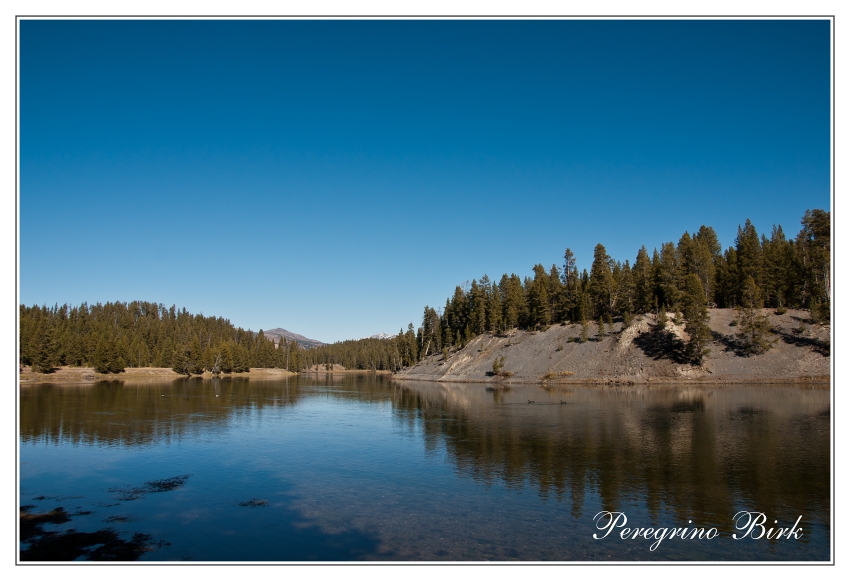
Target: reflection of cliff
703, 453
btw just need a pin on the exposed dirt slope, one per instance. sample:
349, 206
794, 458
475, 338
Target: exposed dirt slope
635, 355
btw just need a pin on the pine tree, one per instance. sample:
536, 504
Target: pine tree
225, 357
294, 362
571, 287
625, 290
478, 308
815, 247
115, 359
695, 310
179, 361
107, 358
538, 298
750, 258
643, 281
514, 304
704, 259
726, 289
44, 352
753, 326
667, 275
556, 291
494, 309
601, 282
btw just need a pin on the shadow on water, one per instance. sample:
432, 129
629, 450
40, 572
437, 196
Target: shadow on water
298, 540
295, 537
70, 545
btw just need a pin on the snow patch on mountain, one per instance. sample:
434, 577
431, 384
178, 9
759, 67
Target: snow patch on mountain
380, 336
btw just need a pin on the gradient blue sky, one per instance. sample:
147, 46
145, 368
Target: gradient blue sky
334, 177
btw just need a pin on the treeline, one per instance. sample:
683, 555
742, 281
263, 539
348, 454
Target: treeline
369, 354
113, 336
685, 277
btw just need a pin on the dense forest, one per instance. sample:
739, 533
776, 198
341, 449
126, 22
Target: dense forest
116, 335
686, 277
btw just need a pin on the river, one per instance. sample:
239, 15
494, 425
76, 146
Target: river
361, 467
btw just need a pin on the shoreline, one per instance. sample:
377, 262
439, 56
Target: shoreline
506, 383
86, 375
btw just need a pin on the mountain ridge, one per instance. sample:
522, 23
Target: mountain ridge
303, 341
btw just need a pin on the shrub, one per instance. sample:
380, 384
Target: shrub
556, 374
584, 332
498, 364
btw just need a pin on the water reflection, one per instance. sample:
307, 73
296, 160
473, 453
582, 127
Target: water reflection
701, 452
679, 453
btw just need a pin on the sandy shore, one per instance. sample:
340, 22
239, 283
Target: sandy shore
131, 374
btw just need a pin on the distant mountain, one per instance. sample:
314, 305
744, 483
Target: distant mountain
380, 336
303, 341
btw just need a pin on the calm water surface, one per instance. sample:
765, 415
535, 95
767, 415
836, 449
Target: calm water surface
365, 468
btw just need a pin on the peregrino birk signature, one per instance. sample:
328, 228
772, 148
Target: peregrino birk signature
748, 524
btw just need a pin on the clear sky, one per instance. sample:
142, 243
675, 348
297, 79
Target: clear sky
334, 177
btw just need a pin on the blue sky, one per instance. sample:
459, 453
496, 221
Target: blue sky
334, 177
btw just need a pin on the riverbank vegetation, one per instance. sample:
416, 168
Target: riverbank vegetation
110, 337
685, 278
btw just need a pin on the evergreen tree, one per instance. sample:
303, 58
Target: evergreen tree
706, 253
478, 308
107, 358
584, 334
667, 274
626, 295
44, 349
538, 298
726, 290
643, 280
494, 309
750, 259
571, 287
775, 267
695, 310
413, 353
294, 360
447, 335
601, 282
556, 291
753, 326
514, 305
225, 357
430, 332
815, 247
